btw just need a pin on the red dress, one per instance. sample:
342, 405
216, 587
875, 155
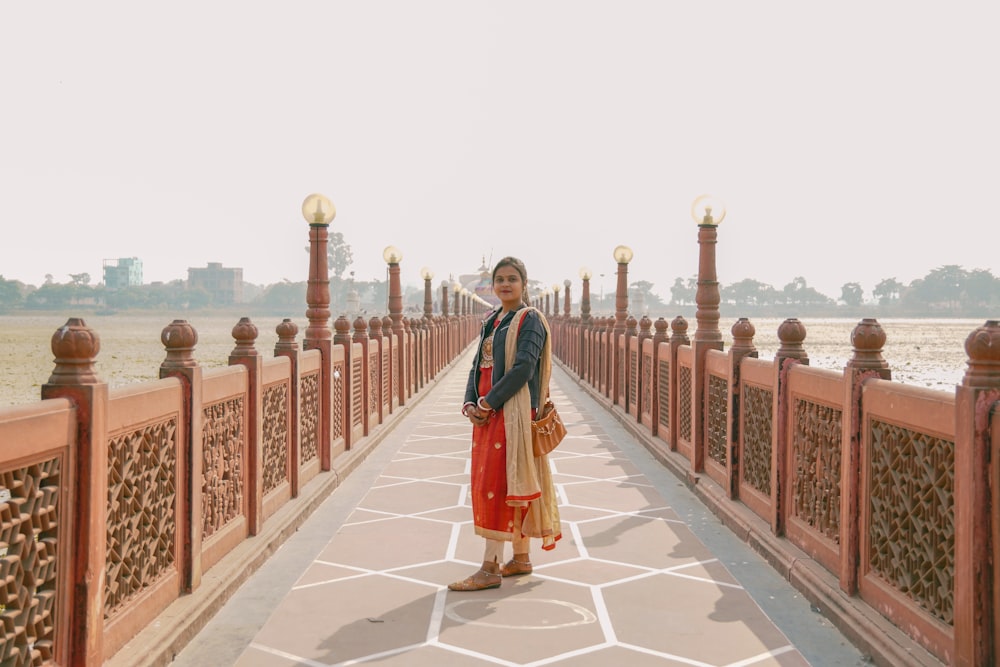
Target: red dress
492, 516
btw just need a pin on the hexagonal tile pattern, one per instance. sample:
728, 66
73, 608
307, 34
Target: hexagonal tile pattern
629, 583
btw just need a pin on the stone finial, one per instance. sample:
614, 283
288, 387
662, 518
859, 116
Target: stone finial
868, 339
661, 326
286, 331
75, 347
630, 326
375, 327
386, 323
679, 328
743, 331
360, 329
179, 339
983, 348
342, 327
791, 333
245, 334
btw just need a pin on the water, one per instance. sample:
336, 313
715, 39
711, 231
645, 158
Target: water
921, 352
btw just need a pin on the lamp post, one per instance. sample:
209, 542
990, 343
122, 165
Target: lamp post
556, 287
319, 212
623, 255
393, 257
427, 275
585, 275
566, 283
708, 213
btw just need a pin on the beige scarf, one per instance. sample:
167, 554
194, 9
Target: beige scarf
529, 478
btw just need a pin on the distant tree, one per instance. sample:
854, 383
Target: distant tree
887, 291
942, 287
982, 288
747, 292
798, 293
284, 295
48, 278
10, 294
851, 294
80, 278
681, 294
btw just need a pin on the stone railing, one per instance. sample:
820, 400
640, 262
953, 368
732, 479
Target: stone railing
117, 504
877, 500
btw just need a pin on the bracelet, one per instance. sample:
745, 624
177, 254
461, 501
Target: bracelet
479, 404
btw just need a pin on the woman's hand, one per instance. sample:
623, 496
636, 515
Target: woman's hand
476, 416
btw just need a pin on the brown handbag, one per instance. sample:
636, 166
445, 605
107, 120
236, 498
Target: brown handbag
547, 430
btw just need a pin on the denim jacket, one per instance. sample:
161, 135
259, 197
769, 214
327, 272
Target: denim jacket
527, 363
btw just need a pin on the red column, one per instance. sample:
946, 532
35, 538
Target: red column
75, 347
977, 509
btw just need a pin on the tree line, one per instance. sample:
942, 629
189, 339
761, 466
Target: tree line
949, 290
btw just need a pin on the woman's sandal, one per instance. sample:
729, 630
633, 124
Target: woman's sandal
514, 568
470, 583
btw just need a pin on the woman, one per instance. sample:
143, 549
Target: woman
513, 498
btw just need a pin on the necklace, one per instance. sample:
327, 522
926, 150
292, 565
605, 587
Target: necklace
486, 352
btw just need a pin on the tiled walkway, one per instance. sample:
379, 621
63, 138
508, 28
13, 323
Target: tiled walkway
644, 575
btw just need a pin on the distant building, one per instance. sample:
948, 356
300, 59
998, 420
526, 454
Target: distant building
223, 284
122, 272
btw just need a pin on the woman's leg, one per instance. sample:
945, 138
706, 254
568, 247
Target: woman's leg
521, 562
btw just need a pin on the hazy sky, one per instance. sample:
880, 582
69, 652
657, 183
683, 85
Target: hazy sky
851, 141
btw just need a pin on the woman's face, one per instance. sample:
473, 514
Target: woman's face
508, 287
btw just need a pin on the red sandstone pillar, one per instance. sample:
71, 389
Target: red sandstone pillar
375, 339
977, 509
642, 384
75, 346
287, 347
707, 335
343, 337
791, 333
678, 337
868, 339
361, 336
622, 255
660, 336
245, 354
392, 257
179, 339
742, 348
318, 211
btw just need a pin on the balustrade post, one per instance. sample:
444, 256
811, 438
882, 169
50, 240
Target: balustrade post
375, 338
743, 347
622, 255
678, 337
75, 347
287, 347
791, 333
361, 337
643, 384
343, 337
866, 362
179, 339
977, 501
660, 336
624, 380
245, 354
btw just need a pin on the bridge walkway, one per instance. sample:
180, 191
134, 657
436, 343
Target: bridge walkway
644, 575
